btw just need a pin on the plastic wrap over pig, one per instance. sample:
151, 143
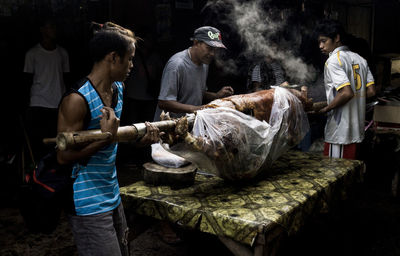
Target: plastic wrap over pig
236, 146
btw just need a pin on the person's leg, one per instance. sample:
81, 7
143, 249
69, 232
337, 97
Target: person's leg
121, 229
41, 123
349, 151
333, 150
95, 235
32, 127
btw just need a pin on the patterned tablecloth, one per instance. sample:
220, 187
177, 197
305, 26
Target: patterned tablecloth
298, 185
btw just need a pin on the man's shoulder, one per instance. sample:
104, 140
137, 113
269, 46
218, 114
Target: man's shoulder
357, 57
34, 49
179, 56
79, 84
177, 60
61, 48
76, 92
345, 56
339, 57
332, 60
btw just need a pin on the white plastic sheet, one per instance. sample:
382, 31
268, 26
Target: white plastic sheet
236, 146
162, 157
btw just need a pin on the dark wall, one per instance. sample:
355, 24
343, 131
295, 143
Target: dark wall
172, 26
387, 27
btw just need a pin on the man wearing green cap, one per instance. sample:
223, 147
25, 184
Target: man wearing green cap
183, 83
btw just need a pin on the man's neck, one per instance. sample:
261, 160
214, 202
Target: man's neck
193, 56
336, 48
99, 78
48, 44
339, 44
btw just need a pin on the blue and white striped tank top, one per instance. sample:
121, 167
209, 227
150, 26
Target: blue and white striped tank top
96, 188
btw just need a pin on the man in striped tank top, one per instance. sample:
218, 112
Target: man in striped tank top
348, 82
98, 221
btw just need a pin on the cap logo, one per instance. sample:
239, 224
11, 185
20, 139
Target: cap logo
214, 35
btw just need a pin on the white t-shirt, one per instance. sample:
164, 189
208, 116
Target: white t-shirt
47, 68
345, 125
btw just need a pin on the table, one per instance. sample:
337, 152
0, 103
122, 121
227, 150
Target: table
393, 134
250, 217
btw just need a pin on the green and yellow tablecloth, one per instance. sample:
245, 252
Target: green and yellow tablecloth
298, 185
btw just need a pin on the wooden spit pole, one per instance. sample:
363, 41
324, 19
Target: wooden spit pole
67, 140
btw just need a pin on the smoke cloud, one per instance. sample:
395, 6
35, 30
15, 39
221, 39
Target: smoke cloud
259, 29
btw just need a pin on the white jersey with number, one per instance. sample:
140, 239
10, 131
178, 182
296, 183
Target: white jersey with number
345, 124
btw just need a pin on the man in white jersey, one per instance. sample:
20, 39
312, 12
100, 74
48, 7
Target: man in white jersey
45, 66
183, 82
348, 82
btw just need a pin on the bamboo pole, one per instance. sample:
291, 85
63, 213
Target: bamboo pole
130, 133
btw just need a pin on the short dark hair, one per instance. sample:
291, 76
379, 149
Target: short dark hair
330, 28
107, 41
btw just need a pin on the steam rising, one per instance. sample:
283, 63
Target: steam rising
258, 30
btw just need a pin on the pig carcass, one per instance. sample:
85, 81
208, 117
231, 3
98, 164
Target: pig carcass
240, 136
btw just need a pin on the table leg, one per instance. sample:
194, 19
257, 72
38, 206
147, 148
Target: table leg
395, 184
137, 224
259, 246
236, 248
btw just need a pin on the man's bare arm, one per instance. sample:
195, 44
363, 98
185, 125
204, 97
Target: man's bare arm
343, 96
176, 107
71, 118
225, 91
371, 91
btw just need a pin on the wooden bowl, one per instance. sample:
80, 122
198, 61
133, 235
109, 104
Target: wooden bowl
157, 175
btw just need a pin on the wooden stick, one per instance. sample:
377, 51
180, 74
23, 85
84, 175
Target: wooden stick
67, 140
49, 140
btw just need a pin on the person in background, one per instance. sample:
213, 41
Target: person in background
348, 82
265, 74
183, 82
97, 219
45, 66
